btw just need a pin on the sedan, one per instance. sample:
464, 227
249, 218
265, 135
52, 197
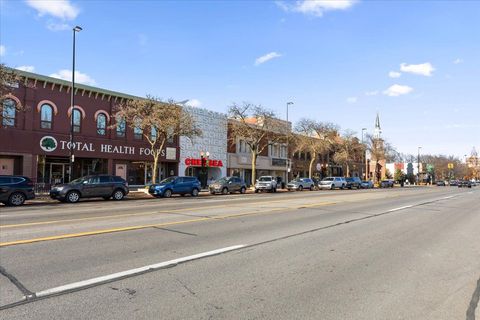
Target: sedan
366, 184
300, 184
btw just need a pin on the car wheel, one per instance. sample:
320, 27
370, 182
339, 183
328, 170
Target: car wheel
167, 193
300, 188
194, 192
312, 188
256, 190
332, 187
225, 190
16, 199
118, 195
243, 190
342, 187
274, 189
72, 196
212, 192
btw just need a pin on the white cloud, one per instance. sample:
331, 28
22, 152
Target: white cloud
62, 9
352, 99
424, 69
394, 74
52, 26
371, 93
26, 68
397, 90
3, 50
193, 103
457, 61
267, 57
316, 7
79, 77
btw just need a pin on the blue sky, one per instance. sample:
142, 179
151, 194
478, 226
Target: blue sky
415, 62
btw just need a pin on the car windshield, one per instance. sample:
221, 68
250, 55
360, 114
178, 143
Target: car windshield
328, 179
79, 180
222, 180
168, 180
265, 179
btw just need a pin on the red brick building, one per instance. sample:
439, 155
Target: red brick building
35, 141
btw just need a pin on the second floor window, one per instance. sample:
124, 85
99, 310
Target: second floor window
102, 124
137, 130
121, 126
153, 134
242, 146
8, 113
77, 120
46, 116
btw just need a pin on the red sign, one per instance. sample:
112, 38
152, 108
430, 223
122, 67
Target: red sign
207, 162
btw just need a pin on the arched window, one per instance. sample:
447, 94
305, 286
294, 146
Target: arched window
8, 113
121, 126
46, 116
77, 120
137, 130
153, 134
101, 124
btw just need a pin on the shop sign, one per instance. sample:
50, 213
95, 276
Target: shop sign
279, 162
208, 162
49, 144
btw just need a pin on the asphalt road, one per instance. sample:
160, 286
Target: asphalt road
410, 253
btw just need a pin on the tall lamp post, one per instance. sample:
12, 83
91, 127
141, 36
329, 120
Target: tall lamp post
72, 104
204, 157
418, 165
288, 133
364, 158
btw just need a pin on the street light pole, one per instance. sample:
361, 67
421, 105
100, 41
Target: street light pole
72, 106
288, 133
418, 165
364, 158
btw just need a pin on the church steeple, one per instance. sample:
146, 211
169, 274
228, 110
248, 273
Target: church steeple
378, 130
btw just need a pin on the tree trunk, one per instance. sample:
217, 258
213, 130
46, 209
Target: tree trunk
254, 166
156, 155
310, 167
348, 170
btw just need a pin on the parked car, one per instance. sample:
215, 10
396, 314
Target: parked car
268, 183
386, 183
300, 184
453, 183
464, 184
353, 182
176, 185
14, 190
367, 184
441, 183
92, 186
332, 183
228, 184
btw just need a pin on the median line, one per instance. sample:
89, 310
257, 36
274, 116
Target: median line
399, 208
128, 273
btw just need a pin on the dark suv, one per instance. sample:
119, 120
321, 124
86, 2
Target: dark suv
354, 182
14, 190
178, 185
228, 184
104, 186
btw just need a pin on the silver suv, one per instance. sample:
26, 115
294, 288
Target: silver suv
228, 184
332, 183
268, 183
300, 184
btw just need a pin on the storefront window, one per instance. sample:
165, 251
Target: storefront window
102, 124
8, 113
46, 116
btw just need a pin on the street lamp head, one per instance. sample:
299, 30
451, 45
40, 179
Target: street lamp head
77, 29
289, 103
207, 154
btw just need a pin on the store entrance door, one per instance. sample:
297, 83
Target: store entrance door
57, 173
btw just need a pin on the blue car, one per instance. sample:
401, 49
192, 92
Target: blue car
175, 185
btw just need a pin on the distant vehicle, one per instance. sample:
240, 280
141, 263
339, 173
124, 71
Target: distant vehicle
176, 185
93, 186
300, 184
453, 183
332, 183
14, 190
353, 182
441, 183
268, 183
464, 184
367, 184
228, 184
386, 183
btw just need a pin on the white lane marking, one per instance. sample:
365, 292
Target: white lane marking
449, 197
131, 272
400, 208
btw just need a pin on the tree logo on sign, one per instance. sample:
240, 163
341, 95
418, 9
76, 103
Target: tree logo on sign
48, 143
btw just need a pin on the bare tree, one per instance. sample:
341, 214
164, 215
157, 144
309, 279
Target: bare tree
257, 127
314, 137
158, 121
380, 149
348, 150
8, 81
